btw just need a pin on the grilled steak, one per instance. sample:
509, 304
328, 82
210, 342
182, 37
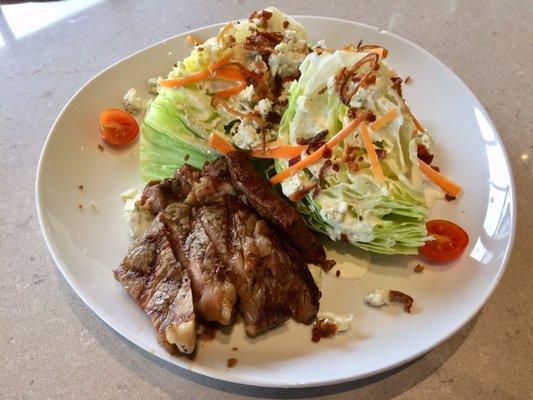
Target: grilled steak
214, 294
157, 195
274, 208
272, 286
161, 287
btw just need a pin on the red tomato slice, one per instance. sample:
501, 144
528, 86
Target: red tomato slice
118, 126
450, 241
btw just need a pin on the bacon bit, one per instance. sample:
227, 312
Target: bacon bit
263, 15
315, 142
435, 168
273, 117
400, 297
407, 79
449, 197
321, 172
294, 160
381, 153
342, 78
262, 42
186, 157
321, 91
80, 206
231, 362
419, 268
327, 153
323, 329
100, 147
285, 24
328, 264
300, 194
337, 273
353, 167
283, 102
234, 348
335, 167
397, 84
81, 187
370, 117
352, 112
423, 154
344, 237
349, 153
193, 40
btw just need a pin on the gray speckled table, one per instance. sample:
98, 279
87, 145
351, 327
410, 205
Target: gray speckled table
53, 346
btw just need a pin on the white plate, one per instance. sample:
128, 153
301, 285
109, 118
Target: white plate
87, 244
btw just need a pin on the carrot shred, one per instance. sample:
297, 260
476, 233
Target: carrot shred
317, 155
278, 152
450, 187
193, 40
230, 73
220, 144
195, 76
231, 91
219, 63
382, 121
371, 151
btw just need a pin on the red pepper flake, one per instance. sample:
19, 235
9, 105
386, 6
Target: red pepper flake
400, 297
419, 268
323, 329
337, 273
449, 197
100, 147
328, 264
231, 362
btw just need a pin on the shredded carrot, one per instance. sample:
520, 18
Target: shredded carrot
193, 40
278, 152
450, 187
382, 121
220, 144
230, 73
231, 91
195, 76
371, 151
317, 155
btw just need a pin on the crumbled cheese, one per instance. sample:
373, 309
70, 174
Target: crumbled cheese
133, 103
378, 298
333, 210
247, 137
152, 85
263, 107
287, 55
343, 322
138, 219
293, 183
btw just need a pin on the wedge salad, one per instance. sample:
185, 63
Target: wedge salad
330, 126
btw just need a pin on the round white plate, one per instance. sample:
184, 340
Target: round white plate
88, 243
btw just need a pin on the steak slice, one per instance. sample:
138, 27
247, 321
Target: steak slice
157, 195
161, 287
213, 293
271, 285
274, 208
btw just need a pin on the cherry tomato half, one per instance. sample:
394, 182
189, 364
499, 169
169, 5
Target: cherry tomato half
117, 126
450, 241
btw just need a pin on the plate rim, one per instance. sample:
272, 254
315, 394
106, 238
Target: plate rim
213, 373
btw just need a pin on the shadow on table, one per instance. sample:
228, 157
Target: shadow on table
382, 386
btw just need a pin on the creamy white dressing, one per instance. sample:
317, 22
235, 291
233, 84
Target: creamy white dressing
343, 322
137, 219
378, 298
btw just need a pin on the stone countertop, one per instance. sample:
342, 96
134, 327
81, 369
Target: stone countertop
53, 346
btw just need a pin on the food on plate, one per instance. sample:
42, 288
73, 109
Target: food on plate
448, 241
257, 106
117, 126
382, 297
220, 242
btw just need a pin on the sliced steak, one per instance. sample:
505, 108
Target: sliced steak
272, 286
161, 287
213, 293
274, 208
157, 195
